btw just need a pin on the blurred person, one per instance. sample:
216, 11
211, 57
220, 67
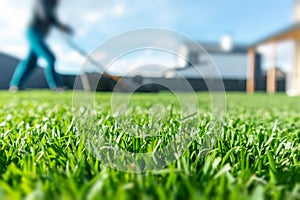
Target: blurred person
44, 17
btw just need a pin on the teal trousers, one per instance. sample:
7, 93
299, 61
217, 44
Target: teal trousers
38, 49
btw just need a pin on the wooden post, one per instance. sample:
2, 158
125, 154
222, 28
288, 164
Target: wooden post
271, 80
296, 70
271, 75
251, 71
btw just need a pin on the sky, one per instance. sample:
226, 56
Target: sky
96, 21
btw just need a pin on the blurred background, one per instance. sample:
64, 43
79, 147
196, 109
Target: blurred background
226, 29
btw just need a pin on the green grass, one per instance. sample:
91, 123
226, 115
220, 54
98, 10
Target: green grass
43, 154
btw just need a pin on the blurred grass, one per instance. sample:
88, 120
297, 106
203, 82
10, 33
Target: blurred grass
43, 156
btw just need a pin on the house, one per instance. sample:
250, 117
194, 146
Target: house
232, 64
203, 58
290, 33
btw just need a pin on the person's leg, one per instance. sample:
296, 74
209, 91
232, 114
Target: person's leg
23, 70
41, 50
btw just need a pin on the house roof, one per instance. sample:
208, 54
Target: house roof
287, 33
215, 47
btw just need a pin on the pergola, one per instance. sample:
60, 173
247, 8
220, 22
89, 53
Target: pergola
289, 33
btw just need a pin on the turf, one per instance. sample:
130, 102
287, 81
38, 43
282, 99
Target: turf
43, 154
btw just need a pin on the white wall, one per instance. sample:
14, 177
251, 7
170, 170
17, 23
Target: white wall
230, 66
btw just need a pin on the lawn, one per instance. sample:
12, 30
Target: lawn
43, 153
